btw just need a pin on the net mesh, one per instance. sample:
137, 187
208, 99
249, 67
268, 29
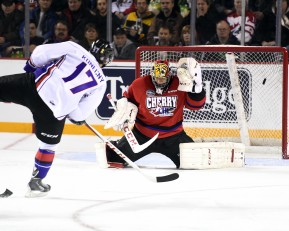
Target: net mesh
261, 74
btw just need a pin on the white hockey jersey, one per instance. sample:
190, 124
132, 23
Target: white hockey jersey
68, 79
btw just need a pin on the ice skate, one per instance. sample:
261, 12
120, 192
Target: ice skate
36, 188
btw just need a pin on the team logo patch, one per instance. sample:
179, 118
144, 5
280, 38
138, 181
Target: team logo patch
162, 105
150, 92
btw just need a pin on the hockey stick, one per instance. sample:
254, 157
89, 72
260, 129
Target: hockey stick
156, 179
7, 193
132, 141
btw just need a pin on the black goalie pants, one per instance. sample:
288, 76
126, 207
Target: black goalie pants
168, 146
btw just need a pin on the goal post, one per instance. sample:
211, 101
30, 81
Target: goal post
238, 100
255, 113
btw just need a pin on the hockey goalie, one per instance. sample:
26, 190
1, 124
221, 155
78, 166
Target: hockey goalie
155, 104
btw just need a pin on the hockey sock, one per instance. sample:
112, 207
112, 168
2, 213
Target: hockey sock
43, 162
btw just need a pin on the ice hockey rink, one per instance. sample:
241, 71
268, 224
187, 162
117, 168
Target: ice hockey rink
86, 197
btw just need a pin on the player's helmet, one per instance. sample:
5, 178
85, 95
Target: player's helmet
161, 75
102, 51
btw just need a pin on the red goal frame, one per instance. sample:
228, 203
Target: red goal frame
226, 49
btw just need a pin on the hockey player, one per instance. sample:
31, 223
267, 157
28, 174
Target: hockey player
62, 80
155, 103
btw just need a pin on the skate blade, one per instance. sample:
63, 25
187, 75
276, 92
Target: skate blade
32, 194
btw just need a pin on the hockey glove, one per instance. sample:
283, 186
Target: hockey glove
190, 75
29, 67
125, 112
76, 122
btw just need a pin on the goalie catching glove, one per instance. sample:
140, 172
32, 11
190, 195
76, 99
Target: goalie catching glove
125, 112
190, 75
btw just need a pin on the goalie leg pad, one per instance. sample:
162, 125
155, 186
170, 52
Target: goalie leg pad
101, 157
211, 155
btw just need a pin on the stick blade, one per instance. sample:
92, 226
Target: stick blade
139, 148
167, 178
7, 193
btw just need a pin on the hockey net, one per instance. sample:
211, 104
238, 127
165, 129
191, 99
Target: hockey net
261, 75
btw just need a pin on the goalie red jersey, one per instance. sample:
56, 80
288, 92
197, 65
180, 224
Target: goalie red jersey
161, 113
155, 103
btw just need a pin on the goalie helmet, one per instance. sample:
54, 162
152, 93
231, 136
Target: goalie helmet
161, 75
102, 51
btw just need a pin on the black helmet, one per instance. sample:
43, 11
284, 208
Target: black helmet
102, 51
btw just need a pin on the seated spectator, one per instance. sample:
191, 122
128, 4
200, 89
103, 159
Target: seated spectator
155, 5
223, 35
138, 23
61, 33
235, 19
10, 21
186, 36
265, 34
122, 46
168, 17
45, 18
76, 15
207, 16
120, 8
100, 19
34, 40
90, 35
164, 37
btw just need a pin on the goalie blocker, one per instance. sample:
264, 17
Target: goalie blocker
193, 155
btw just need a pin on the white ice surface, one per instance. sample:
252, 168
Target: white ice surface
85, 197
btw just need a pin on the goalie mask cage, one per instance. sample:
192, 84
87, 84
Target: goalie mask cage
260, 77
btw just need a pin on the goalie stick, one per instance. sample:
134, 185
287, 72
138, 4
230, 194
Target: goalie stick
7, 193
156, 179
133, 143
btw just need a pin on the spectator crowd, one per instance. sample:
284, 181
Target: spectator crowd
140, 22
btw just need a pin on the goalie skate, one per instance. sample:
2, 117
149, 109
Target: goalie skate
116, 165
36, 188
